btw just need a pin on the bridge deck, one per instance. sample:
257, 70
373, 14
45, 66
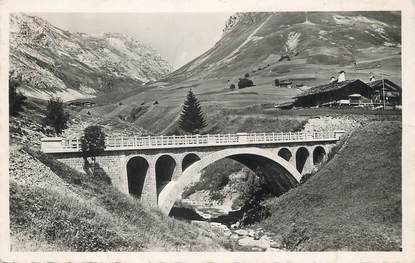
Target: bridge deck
57, 144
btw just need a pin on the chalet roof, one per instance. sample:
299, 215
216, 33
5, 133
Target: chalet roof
330, 87
378, 84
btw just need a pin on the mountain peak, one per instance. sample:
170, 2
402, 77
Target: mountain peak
251, 41
53, 61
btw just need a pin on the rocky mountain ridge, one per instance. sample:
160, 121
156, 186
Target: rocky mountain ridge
266, 40
56, 62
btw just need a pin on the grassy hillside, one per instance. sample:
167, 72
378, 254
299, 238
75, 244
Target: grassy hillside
353, 203
54, 208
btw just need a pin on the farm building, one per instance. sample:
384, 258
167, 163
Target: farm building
79, 103
283, 83
393, 92
351, 93
332, 93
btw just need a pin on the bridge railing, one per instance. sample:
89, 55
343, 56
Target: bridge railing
148, 142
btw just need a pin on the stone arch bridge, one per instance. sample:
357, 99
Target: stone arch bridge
156, 169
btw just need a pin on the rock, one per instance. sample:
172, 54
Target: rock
233, 237
241, 232
235, 226
277, 242
258, 234
225, 230
251, 233
250, 242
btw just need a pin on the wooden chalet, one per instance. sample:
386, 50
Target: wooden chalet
352, 93
384, 88
330, 93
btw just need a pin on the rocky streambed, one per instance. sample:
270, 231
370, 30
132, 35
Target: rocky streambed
225, 222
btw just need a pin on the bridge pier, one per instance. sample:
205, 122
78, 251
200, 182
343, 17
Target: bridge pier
149, 192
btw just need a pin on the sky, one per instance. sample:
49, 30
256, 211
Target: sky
178, 37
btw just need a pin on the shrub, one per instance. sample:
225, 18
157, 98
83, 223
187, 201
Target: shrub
244, 83
56, 115
16, 99
214, 177
92, 142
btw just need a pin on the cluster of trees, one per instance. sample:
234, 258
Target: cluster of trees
93, 140
243, 83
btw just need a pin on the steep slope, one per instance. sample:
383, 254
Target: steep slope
352, 203
262, 42
55, 208
52, 61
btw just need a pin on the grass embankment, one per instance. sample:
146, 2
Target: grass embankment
352, 203
55, 208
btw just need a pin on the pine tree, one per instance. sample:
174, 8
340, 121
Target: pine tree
192, 119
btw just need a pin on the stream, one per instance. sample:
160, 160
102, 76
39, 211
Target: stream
239, 238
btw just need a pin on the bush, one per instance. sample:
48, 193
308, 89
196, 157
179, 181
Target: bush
214, 177
16, 99
244, 83
56, 115
92, 142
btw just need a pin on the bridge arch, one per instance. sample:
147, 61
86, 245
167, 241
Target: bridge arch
249, 156
165, 168
319, 154
189, 159
285, 154
301, 158
137, 170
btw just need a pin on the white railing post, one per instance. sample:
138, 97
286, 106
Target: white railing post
77, 143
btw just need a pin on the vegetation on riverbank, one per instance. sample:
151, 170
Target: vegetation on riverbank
353, 203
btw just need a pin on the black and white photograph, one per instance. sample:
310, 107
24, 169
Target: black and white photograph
228, 131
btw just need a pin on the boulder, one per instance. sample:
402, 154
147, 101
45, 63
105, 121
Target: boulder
250, 242
277, 242
241, 232
235, 226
